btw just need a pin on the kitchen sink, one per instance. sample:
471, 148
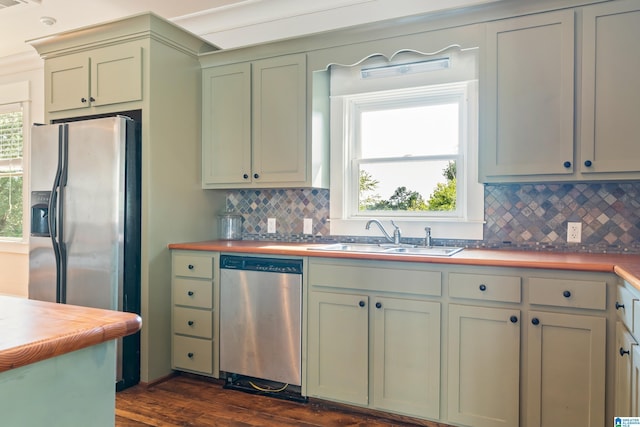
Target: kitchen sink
355, 247
430, 251
390, 249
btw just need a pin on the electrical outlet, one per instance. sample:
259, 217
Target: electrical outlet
307, 227
574, 232
271, 225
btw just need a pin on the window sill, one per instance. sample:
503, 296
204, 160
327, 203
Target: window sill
14, 247
440, 229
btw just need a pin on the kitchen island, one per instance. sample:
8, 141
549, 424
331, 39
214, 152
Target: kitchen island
58, 362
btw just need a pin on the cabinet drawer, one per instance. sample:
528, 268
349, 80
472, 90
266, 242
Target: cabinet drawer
192, 292
625, 303
193, 266
568, 293
485, 287
381, 277
193, 354
191, 321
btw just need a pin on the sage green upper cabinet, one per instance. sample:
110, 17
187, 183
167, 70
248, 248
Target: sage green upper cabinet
527, 109
103, 76
279, 120
226, 125
255, 125
610, 101
528, 105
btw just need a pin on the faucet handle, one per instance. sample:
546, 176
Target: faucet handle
396, 233
427, 237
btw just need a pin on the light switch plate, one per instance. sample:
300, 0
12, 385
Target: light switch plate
307, 227
271, 225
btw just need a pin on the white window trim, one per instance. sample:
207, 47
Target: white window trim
19, 93
468, 226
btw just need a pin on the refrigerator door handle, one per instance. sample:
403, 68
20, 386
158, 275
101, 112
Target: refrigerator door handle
53, 217
62, 183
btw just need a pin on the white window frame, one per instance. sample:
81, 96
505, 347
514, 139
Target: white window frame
468, 220
19, 93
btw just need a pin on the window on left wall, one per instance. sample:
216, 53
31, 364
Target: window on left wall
15, 107
11, 172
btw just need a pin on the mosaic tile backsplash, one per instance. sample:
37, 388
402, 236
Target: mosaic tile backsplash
527, 216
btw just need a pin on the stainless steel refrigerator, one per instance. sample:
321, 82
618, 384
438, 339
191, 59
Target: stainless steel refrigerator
85, 221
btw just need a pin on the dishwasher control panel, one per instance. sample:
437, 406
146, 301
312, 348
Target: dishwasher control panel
271, 265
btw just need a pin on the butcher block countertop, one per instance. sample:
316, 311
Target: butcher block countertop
624, 265
31, 331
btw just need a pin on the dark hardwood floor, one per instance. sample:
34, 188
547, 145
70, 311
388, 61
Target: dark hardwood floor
186, 400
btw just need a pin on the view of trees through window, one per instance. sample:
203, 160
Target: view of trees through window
11, 174
443, 198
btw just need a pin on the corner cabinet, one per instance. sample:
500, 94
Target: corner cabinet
527, 115
373, 337
103, 76
255, 124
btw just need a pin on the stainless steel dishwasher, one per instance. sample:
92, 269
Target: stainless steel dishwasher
260, 318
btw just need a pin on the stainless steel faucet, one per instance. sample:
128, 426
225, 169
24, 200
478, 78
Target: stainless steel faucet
427, 237
396, 231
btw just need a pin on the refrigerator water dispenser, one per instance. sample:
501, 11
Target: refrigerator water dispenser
40, 213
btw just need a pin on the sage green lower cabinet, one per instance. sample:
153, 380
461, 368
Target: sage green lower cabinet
625, 345
470, 346
194, 338
484, 366
627, 352
406, 356
373, 337
339, 347
566, 370
635, 381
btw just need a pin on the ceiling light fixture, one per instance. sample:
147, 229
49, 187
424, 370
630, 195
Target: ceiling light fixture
47, 20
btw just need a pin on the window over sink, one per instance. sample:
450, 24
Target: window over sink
404, 142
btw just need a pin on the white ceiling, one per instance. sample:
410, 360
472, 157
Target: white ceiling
225, 23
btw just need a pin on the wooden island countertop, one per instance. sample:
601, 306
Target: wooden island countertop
626, 266
32, 331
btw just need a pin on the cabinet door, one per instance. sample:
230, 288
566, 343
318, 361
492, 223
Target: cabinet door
528, 92
338, 347
279, 120
635, 381
610, 101
566, 370
116, 74
406, 356
625, 344
484, 366
67, 82
226, 125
